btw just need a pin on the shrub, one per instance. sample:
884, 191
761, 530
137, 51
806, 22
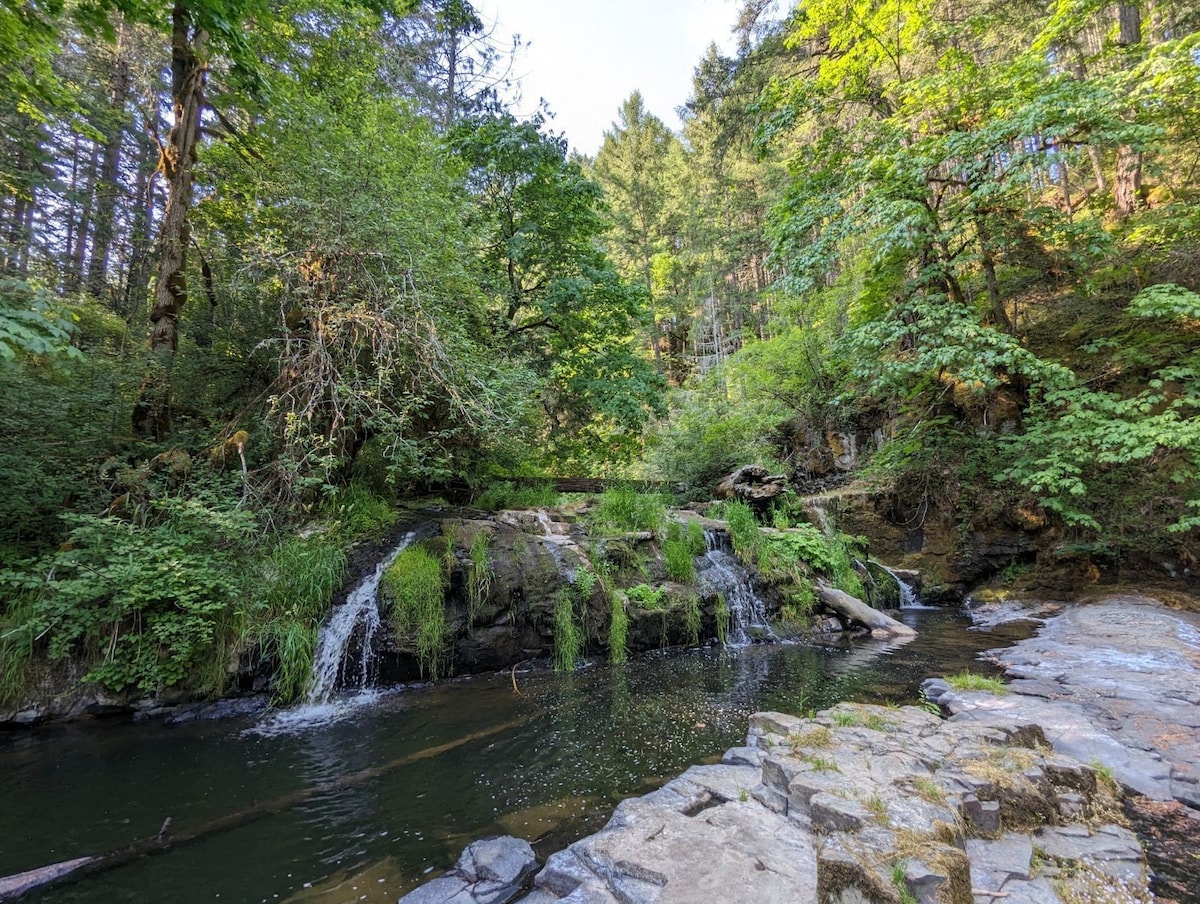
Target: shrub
647, 597
783, 556
416, 583
146, 606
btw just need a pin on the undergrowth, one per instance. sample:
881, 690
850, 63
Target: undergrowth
623, 509
503, 494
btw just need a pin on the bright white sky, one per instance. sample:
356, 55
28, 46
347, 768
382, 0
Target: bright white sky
586, 56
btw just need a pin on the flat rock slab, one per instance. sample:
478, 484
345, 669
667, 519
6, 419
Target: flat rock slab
734, 852
1115, 682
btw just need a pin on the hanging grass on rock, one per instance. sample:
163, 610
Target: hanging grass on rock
568, 633
721, 614
692, 618
416, 583
618, 629
479, 573
298, 580
678, 555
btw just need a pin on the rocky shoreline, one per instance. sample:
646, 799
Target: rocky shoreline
1007, 797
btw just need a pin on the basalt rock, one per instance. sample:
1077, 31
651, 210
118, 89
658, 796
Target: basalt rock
861, 805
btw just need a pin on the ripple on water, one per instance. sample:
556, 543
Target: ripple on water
308, 716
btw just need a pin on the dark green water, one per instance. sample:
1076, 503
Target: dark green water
579, 744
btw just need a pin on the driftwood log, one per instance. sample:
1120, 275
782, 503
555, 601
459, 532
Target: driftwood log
856, 612
13, 887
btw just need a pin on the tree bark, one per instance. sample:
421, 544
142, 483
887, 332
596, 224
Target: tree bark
152, 413
854, 611
1128, 181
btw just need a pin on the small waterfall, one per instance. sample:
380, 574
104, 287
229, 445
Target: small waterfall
721, 572
357, 617
908, 595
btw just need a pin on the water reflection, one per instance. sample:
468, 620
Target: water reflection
560, 755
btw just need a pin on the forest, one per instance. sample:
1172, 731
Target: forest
267, 268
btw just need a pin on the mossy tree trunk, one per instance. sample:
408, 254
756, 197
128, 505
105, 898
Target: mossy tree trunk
189, 69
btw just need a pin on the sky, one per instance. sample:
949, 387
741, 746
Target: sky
586, 56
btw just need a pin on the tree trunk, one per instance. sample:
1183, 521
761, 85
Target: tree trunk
108, 187
141, 232
655, 335
999, 314
1128, 181
17, 258
152, 413
854, 611
79, 252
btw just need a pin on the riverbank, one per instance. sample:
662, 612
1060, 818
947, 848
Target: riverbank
1019, 795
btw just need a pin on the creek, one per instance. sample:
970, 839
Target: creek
572, 747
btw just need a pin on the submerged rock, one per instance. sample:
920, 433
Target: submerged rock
490, 871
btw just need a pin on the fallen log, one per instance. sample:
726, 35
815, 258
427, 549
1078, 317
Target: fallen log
854, 611
13, 887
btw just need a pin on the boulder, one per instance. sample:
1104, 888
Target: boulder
490, 871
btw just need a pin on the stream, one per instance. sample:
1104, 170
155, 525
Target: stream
574, 745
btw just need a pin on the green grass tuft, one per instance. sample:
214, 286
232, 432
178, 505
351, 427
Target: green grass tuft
623, 509
678, 557
503, 494
967, 681
568, 634
416, 583
743, 529
618, 629
479, 573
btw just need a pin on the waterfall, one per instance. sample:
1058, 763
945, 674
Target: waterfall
721, 572
358, 617
908, 595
